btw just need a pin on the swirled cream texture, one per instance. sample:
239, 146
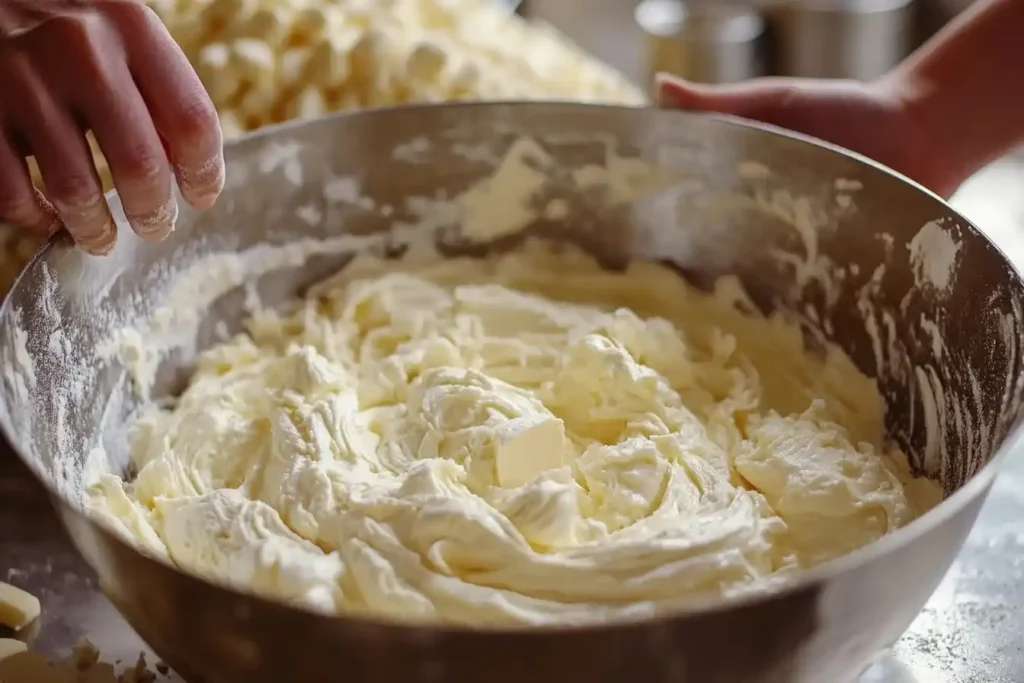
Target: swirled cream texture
522, 439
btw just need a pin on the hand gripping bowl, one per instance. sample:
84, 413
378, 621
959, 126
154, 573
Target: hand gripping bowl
914, 293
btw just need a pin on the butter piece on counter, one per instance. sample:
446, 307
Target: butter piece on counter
18, 608
18, 664
10, 647
25, 666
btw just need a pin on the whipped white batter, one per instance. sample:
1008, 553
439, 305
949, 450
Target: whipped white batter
522, 439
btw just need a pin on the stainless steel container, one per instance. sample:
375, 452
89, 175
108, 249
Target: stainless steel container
860, 39
951, 405
707, 42
514, 6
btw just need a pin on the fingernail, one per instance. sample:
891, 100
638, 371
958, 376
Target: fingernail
82, 217
158, 224
663, 78
100, 242
676, 92
49, 220
202, 185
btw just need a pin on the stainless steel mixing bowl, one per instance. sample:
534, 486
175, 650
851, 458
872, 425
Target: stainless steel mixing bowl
915, 294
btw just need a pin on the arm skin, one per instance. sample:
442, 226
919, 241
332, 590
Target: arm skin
964, 89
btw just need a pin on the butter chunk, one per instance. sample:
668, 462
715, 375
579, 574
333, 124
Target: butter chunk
528, 447
84, 654
10, 647
18, 608
501, 205
26, 666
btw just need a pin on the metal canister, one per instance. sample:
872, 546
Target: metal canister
514, 6
860, 39
706, 42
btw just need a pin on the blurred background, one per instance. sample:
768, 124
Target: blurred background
719, 41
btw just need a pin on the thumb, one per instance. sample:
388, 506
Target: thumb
755, 100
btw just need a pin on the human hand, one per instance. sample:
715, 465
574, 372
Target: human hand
109, 66
869, 118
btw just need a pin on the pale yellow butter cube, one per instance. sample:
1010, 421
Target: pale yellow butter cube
528, 447
10, 647
18, 608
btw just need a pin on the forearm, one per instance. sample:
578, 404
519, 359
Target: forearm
964, 89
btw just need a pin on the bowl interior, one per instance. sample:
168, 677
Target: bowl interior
917, 296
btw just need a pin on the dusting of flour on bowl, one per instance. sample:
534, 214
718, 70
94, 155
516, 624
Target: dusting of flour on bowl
525, 438
933, 254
